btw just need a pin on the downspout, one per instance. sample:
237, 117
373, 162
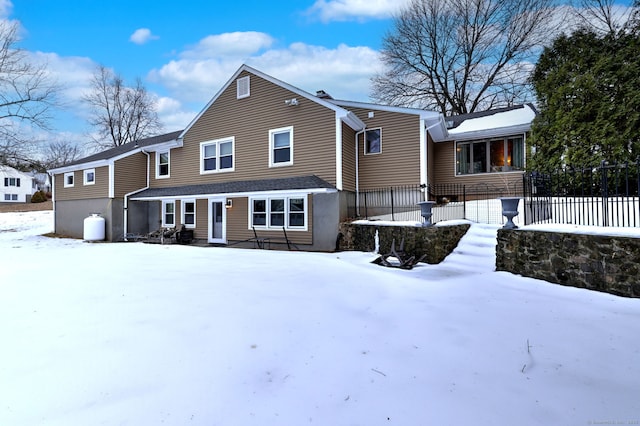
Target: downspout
358, 173
126, 196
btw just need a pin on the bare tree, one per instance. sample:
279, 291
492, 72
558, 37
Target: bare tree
461, 56
27, 95
601, 16
60, 152
120, 114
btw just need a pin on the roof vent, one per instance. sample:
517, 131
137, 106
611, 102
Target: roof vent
323, 95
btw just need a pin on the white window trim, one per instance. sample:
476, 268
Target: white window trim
243, 87
218, 142
365, 141
65, 182
164, 204
85, 174
273, 132
286, 198
183, 212
158, 175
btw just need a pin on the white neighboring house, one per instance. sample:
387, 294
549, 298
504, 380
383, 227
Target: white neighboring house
15, 186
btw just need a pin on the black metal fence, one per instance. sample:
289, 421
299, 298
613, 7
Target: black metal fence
607, 195
477, 203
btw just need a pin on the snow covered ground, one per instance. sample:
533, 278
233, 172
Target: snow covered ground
135, 334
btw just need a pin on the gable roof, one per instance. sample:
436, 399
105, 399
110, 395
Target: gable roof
119, 152
237, 187
347, 116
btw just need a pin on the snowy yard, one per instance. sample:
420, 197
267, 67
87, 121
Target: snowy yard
136, 334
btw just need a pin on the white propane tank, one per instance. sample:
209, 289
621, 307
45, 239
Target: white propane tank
94, 226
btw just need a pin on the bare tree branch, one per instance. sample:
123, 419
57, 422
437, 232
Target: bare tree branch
460, 56
27, 95
120, 114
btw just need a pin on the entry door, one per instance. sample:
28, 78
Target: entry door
217, 221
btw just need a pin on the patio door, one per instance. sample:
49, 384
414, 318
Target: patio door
217, 221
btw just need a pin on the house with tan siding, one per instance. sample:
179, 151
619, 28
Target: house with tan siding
262, 157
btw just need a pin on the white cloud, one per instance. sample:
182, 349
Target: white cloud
6, 7
346, 10
142, 36
200, 71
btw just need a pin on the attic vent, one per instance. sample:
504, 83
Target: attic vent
243, 89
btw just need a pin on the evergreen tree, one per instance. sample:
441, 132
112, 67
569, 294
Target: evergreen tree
588, 90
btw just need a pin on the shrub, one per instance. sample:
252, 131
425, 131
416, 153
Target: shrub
39, 197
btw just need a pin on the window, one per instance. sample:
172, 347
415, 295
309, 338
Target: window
278, 212
373, 141
11, 197
162, 165
168, 214
243, 87
281, 147
217, 156
189, 213
12, 181
68, 180
89, 176
490, 156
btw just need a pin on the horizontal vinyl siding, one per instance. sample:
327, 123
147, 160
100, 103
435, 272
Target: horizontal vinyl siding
445, 170
249, 121
79, 191
130, 174
399, 162
348, 158
202, 220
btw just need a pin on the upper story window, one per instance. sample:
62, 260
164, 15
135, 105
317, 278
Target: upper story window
281, 147
373, 141
162, 165
189, 213
12, 181
68, 180
243, 87
217, 156
490, 156
278, 212
89, 176
168, 214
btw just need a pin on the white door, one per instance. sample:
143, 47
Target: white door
217, 221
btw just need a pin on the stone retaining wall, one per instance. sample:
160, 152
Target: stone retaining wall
437, 242
604, 263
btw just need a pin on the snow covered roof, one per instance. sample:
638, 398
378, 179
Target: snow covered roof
496, 122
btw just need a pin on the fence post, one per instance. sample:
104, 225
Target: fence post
605, 194
392, 216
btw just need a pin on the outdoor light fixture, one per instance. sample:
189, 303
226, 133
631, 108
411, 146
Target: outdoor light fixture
291, 102
229, 203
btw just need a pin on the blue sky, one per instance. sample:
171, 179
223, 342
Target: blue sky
185, 51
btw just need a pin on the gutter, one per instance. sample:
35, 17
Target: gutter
127, 195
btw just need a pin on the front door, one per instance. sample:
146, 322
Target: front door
217, 221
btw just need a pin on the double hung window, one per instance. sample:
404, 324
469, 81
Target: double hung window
278, 212
281, 147
168, 214
189, 213
162, 162
217, 156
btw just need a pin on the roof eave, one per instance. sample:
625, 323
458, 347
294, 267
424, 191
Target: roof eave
487, 133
